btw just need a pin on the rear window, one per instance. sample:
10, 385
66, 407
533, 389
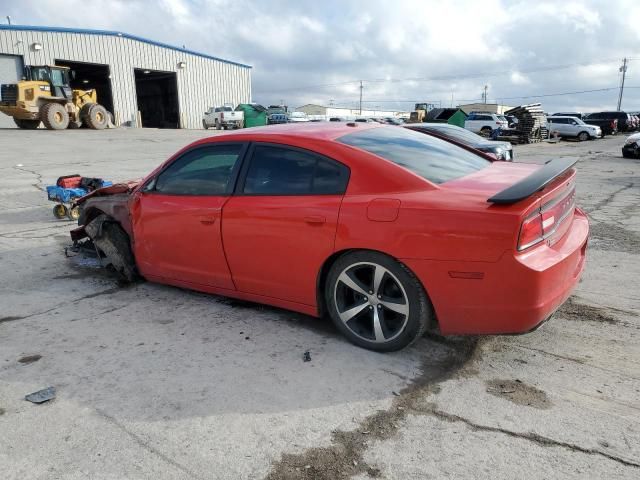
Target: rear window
433, 159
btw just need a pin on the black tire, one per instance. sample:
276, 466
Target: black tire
398, 287
583, 136
204, 125
124, 266
60, 211
54, 116
84, 112
486, 131
97, 117
27, 124
74, 213
626, 154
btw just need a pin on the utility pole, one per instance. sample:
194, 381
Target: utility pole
8, 19
484, 93
361, 87
623, 69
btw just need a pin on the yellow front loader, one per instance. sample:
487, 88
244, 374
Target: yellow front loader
44, 95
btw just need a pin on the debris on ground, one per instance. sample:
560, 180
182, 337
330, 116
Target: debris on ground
29, 359
42, 396
306, 356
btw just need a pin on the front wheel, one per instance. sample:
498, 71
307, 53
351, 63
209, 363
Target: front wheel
204, 125
376, 302
583, 136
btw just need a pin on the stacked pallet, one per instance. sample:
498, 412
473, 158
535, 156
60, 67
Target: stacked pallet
532, 123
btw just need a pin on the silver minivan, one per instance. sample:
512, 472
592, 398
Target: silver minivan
573, 127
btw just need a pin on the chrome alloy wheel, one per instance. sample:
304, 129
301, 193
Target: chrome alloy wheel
371, 302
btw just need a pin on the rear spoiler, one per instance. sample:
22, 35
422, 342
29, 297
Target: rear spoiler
534, 182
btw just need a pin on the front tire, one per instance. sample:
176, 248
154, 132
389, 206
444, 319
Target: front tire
376, 302
583, 137
97, 117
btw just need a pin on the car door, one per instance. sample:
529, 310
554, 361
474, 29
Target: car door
280, 226
176, 217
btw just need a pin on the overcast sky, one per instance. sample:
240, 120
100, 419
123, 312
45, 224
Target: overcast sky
405, 51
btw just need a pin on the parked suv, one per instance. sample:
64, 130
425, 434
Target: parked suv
605, 120
572, 127
485, 123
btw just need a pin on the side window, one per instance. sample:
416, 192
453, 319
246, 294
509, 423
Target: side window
283, 171
202, 171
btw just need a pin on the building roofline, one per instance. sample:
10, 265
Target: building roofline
113, 33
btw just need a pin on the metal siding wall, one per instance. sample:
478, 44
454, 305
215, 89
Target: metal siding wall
203, 83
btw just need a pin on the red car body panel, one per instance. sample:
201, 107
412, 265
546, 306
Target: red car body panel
272, 249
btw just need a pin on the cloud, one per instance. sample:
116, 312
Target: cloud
406, 52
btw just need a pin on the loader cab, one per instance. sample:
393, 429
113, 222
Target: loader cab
58, 79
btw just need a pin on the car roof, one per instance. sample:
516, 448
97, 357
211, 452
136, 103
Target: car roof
311, 130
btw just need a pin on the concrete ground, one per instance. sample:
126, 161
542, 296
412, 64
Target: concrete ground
158, 382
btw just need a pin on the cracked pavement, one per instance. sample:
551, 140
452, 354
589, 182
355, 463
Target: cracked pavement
158, 382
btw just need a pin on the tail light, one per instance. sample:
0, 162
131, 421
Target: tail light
544, 222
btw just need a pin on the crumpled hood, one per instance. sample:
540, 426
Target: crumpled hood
122, 187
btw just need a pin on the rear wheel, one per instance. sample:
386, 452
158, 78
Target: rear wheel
376, 302
74, 213
54, 116
204, 125
27, 124
583, 136
97, 117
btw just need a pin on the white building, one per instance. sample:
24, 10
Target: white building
484, 107
171, 87
319, 111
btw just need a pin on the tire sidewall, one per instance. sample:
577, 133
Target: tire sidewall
419, 305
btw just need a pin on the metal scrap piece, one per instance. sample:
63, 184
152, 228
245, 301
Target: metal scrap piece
42, 396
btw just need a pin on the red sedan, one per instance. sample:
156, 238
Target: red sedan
387, 230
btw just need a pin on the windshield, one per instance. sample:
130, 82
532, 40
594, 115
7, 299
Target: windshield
460, 134
432, 158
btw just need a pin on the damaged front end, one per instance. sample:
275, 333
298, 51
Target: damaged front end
104, 219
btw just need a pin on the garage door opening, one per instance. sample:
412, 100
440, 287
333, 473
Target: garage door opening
157, 94
91, 76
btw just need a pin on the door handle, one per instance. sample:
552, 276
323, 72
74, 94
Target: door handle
206, 220
315, 219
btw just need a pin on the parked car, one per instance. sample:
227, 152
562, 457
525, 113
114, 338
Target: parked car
485, 123
568, 114
298, 117
572, 127
388, 230
336, 119
223, 117
458, 135
609, 122
277, 114
364, 120
631, 147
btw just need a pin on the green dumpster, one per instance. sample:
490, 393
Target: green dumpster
254, 115
457, 118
